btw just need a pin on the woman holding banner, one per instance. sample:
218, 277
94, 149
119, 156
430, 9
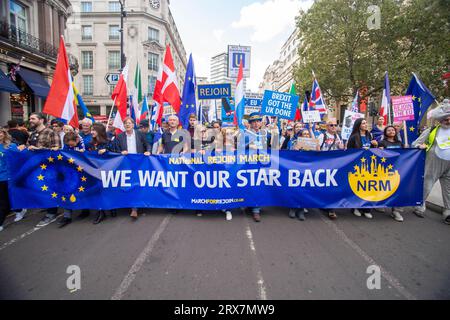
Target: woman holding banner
361, 138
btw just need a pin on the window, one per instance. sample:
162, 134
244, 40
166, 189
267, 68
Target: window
114, 6
86, 6
114, 33
114, 60
88, 85
18, 20
153, 61
87, 60
86, 32
153, 34
151, 85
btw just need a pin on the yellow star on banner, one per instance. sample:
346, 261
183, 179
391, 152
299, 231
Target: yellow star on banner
54, 195
43, 167
50, 159
81, 189
356, 168
374, 157
63, 199
80, 169
414, 98
363, 160
383, 160
420, 100
44, 188
390, 167
71, 161
412, 129
84, 179
40, 177
60, 157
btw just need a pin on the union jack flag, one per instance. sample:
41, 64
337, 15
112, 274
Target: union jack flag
317, 102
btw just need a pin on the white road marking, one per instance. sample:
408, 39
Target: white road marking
22, 236
262, 293
394, 282
131, 275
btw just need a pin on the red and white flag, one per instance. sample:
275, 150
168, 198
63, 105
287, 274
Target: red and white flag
120, 98
60, 100
169, 83
158, 98
386, 100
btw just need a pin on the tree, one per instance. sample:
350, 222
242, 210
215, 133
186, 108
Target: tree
345, 54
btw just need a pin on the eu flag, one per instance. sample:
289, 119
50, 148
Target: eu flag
188, 103
422, 100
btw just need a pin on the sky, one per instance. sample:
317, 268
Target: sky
207, 28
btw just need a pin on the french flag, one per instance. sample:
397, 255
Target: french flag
239, 98
60, 100
386, 100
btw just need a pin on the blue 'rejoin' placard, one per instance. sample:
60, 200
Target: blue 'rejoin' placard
214, 91
279, 104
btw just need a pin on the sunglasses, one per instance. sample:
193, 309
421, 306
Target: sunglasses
332, 125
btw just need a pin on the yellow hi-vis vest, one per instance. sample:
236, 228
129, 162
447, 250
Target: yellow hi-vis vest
432, 138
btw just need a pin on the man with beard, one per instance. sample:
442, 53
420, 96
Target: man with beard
436, 141
43, 138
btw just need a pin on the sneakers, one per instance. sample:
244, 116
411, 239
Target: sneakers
292, 213
228, 215
332, 215
134, 214
45, 221
64, 222
1, 228
301, 216
368, 215
357, 213
397, 216
199, 213
257, 217
20, 215
420, 211
446, 220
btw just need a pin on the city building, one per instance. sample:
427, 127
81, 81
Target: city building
280, 74
93, 35
30, 31
219, 71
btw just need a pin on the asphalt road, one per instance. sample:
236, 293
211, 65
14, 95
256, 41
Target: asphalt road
183, 256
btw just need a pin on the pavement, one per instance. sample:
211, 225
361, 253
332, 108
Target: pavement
434, 201
187, 257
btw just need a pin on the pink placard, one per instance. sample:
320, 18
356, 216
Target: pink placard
403, 108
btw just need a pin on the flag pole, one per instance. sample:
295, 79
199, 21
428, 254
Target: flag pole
405, 131
110, 113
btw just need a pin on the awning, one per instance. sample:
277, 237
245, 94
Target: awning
35, 81
6, 84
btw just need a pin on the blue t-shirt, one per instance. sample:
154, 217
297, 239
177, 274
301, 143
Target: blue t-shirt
4, 175
365, 142
87, 138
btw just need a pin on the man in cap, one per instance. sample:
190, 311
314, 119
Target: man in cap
436, 141
255, 138
144, 127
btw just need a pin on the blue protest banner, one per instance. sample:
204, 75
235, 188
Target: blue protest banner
335, 179
214, 91
279, 104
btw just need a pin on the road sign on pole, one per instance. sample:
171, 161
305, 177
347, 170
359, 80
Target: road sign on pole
112, 78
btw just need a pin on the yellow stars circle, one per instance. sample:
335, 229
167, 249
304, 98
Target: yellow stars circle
84, 179
71, 161
54, 195
363, 160
50, 159
60, 157
80, 169
383, 160
81, 189
390, 167
412, 129
40, 177
43, 166
374, 157
44, 188
63, 199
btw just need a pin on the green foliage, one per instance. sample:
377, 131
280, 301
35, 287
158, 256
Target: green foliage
337, 44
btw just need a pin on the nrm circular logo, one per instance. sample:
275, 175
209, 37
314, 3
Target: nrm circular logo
374, 181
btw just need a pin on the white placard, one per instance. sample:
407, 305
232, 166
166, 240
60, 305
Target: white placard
348, 122
311, 116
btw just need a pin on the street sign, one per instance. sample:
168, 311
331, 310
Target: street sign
236, 54
112, 78
214, 91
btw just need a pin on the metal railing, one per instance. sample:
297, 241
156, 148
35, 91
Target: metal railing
29, 42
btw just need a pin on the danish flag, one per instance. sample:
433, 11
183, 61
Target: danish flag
169, 90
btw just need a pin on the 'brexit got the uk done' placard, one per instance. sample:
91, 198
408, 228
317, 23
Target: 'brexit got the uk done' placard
279, 104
